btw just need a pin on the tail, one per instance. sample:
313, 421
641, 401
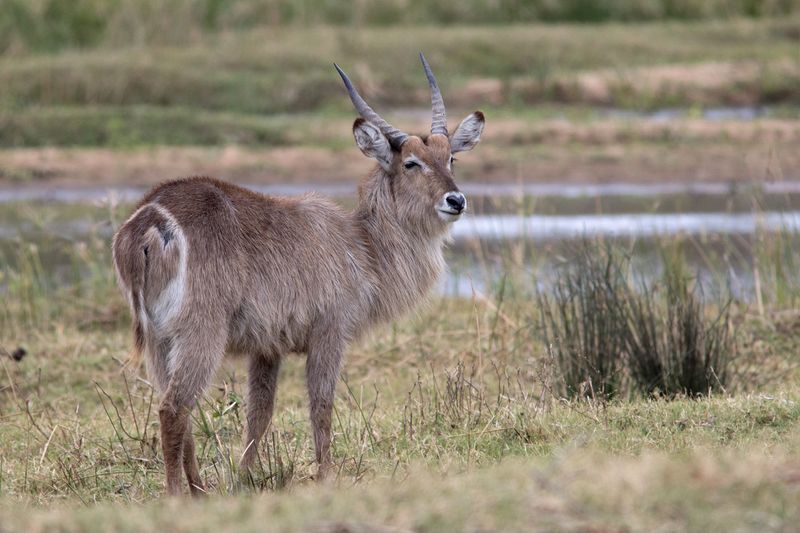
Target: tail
133, 361
130, 262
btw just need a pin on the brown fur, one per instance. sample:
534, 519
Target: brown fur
265, 276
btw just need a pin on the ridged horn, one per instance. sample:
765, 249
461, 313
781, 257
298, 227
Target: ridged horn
439, 115
395, 136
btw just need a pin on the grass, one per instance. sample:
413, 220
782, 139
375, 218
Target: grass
52, 25
78, 428
449, 418
134, 126
699, 491
613, 332
319, 149
422, 431
692, 489
220, 88
515, 131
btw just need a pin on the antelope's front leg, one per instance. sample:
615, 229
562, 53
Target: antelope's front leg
263, 383
322, 372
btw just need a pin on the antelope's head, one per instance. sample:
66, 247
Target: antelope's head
420, 169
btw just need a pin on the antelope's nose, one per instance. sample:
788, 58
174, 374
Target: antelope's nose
456, 201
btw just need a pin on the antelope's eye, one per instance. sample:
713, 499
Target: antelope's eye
410, 164
452, 160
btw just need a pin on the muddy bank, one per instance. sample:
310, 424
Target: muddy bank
600, 151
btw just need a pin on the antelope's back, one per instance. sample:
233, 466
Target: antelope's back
248, 255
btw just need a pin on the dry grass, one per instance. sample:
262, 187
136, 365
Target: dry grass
464, 392
577, 487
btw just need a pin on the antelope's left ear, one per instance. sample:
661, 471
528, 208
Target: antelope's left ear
468, 133
372, 142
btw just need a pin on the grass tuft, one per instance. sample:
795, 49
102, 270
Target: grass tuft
611, 336
673, 347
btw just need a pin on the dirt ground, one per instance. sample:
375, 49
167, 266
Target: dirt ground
512, 150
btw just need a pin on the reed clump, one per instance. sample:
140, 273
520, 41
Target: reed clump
612, 335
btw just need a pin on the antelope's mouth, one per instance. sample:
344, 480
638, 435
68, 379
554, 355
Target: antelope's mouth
449, 215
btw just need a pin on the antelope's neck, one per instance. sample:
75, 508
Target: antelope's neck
405, 265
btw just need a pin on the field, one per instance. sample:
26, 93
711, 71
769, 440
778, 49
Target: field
463, 415
439, 421
453, 418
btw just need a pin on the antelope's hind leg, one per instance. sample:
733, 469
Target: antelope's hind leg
174, 420
190, 467
194, 363
157, 370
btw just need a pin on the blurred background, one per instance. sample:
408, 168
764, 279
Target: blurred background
615, 117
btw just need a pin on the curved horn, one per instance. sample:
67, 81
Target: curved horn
439, 118
395, 136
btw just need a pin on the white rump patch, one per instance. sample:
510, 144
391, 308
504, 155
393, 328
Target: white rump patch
170, 300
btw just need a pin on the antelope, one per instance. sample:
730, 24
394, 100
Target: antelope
211, 268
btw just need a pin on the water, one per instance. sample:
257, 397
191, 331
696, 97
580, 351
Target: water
344, 190
542, 227
713, 114
530, 225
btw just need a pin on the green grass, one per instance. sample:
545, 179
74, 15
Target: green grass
136, 126
425, 433
75, 427
218, 88
612, 330
266, 69
576, 489
53, 25
695, 489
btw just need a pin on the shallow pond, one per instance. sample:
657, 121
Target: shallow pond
522, 229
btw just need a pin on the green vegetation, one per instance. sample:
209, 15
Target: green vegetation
467, 390
577, 489
612, 335
51, 25
120, 127
163, 93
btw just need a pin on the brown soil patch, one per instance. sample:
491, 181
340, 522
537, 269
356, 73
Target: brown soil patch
556, 150
101, 167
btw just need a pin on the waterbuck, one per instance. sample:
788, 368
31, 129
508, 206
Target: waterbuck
209, 267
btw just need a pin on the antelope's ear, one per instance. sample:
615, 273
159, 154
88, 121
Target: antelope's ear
468, 133
372, 142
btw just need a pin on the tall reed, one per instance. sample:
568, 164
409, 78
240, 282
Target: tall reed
613, 335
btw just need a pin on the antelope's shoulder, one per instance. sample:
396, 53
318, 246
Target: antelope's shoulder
313, 202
